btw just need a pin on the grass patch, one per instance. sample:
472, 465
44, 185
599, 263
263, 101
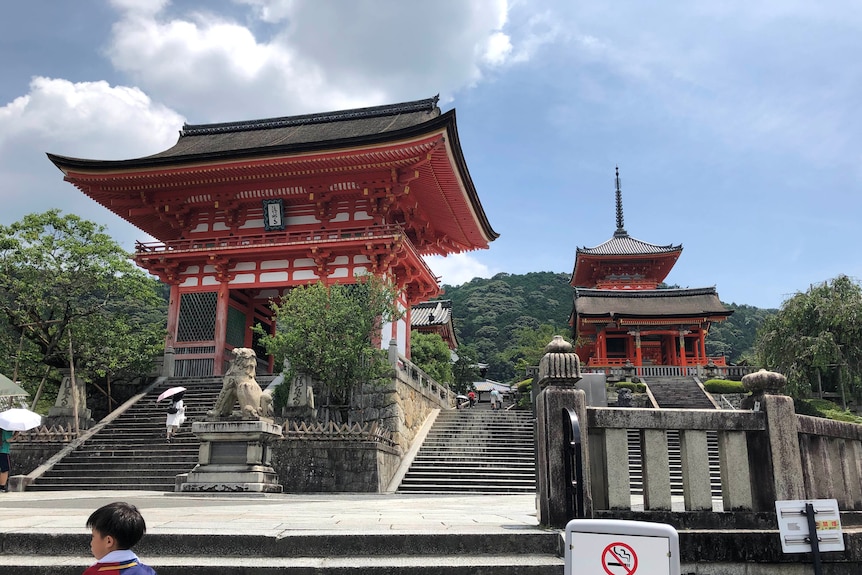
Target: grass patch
824, 408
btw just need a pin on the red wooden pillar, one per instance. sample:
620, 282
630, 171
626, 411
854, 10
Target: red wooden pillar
221, 327
601, 345
173, 315
682, 360
638, 354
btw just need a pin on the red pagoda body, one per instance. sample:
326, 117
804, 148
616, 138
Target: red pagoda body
244, 211
621, 316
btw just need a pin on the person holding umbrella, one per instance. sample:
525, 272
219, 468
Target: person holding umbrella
176, 411
11, 422
5, 463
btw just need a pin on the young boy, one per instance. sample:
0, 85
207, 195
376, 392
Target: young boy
116, 527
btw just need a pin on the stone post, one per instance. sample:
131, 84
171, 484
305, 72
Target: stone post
169, 363
559, 371
393, 352
776, 463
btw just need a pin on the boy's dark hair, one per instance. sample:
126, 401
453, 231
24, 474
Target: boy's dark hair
120, 520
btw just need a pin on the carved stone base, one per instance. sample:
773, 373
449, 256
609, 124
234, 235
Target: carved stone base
234, 458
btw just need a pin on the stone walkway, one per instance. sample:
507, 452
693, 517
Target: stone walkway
273, 515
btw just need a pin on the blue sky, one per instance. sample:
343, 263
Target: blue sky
735, 125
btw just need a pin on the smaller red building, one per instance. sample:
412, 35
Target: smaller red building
620, 315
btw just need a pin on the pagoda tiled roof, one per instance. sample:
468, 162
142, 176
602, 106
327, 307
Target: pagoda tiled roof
623, 244
688, 302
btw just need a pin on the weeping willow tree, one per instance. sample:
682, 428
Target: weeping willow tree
816, 335
331, 333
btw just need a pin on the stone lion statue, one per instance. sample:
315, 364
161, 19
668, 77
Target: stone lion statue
240, 386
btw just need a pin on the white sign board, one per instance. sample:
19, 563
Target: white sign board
793, 525
617, 547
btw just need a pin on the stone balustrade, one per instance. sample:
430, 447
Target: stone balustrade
765, 455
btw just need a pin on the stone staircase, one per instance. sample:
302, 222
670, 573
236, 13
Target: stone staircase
678, 393
477, 451
131, 451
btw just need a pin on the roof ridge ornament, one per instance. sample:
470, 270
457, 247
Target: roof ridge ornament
619, 194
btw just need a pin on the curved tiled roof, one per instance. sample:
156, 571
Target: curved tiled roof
349, 143
649, 303
623, 244
437, 312
298, 130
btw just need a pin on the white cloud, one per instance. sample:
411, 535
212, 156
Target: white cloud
316, 56
457, 269
87, 120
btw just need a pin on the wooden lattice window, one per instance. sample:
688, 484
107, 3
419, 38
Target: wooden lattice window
235, 333
197, 317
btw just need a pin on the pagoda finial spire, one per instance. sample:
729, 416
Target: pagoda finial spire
620, 228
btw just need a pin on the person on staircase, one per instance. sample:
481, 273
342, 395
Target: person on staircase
176, 416
496, 400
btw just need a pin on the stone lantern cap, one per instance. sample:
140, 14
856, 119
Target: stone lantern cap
763, 381
560, 365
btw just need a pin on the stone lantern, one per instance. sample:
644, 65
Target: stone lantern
759, 383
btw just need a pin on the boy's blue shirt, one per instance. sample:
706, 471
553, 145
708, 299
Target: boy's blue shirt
120, 562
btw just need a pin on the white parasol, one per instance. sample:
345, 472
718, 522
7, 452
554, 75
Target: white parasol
17, 419
170, 392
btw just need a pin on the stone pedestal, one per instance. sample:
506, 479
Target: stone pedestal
63, 412
234, 457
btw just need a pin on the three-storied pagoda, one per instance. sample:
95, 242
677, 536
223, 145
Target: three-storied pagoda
244, 211
619, 313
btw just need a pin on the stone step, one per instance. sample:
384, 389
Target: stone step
475, 451
355, 554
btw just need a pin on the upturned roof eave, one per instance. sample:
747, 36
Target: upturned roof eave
445, 121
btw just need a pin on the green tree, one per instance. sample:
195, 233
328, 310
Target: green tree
432, 355
465, 370
529, 346
816, 333
329, 333
61, 277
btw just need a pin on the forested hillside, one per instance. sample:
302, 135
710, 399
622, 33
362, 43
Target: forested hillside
502, 315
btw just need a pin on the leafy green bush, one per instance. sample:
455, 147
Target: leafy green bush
631, 386
524, 389
724, 386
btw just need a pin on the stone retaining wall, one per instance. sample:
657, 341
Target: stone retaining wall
308, 466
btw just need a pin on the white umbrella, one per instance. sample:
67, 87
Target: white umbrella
17, 419
169, 392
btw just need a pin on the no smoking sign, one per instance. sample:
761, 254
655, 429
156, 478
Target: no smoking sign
619, 559
617, 547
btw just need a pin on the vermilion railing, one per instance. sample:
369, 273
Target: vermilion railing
621, 361
272, 238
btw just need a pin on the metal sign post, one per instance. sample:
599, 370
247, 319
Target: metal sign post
810, 526
617, 547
